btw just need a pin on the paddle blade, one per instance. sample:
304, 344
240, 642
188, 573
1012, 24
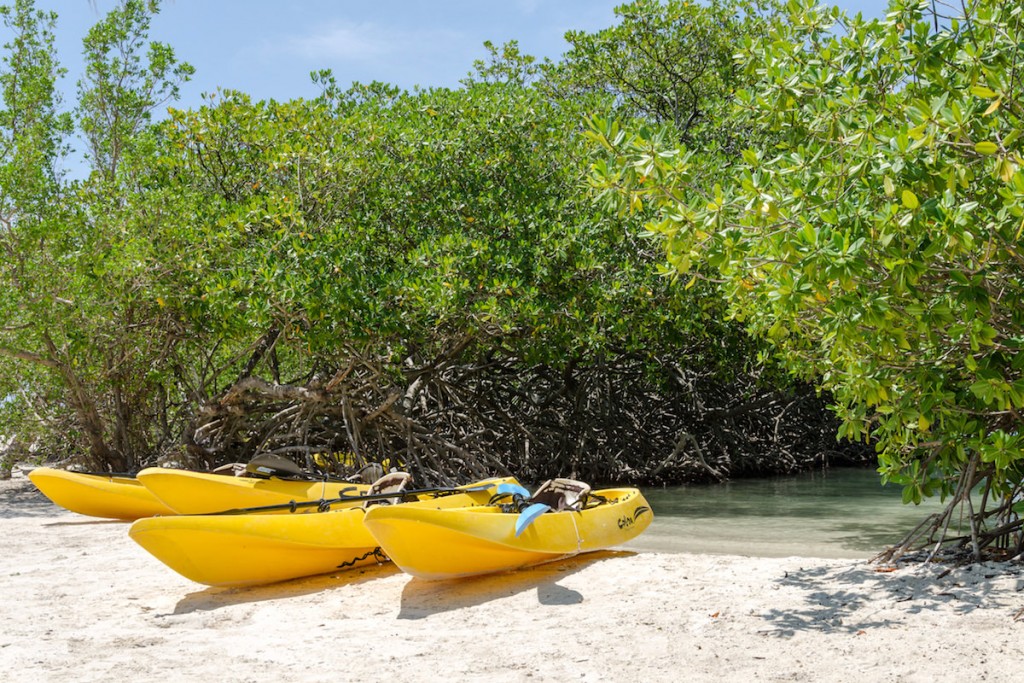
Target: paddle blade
512, 490
527, 516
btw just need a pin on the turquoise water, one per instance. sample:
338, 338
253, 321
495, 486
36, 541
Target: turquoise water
842, 513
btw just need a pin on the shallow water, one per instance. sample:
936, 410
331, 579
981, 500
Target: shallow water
837, 513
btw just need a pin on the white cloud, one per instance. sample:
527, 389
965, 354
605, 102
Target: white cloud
358, 42
340, 41
528, 7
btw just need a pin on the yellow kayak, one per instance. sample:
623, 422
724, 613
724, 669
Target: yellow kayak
196, 493
98, 495
248, 549
447, 543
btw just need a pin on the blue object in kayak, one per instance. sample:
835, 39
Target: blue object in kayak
527, 516
512, 490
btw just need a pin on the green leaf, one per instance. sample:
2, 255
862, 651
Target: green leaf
890, 188
910, 200
986, 147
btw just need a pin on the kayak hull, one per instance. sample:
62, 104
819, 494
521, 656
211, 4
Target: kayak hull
197, 493
451, 543
98, 495
251, 549
241, 550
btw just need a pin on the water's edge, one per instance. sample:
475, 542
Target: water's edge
835, 513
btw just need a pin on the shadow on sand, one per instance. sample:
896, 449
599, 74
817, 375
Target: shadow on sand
422, 598
847, 599
20, 498
82, 520
214, 598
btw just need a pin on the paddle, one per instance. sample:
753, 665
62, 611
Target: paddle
530, 513
292, 506
513, 490
521, 496
109, 475
258, 472
560, 494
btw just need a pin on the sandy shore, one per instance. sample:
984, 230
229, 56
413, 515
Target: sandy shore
82, 602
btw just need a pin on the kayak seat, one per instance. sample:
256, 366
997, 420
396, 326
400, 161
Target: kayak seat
235, 469
368, 473
269, 465
562, 494
392, 482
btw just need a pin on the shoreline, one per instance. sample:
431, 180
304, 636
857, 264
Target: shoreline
84, 603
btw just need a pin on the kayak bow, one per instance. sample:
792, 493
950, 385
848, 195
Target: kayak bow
98, 495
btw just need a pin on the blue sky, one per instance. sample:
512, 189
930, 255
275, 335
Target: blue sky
267, 48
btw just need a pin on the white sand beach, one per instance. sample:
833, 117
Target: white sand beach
82, 602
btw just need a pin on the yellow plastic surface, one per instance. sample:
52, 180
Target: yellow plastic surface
98, 495
247, 549
447, 543
196, 493
239, 550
